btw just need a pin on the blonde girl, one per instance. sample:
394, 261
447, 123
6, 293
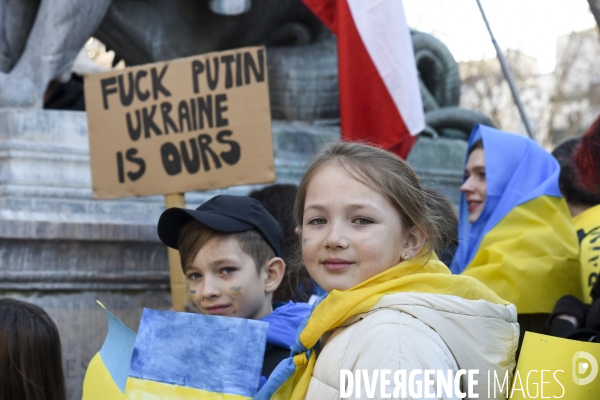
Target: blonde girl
368, 239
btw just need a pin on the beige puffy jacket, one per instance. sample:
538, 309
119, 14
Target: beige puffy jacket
407, 331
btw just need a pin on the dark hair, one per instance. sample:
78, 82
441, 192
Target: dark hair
440, 206
279, 200
477, 145
30, 353
193, 235
587, 158
569, 181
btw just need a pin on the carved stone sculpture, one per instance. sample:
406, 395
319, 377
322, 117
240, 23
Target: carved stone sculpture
40, 39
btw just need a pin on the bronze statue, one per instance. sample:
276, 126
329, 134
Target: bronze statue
40, 39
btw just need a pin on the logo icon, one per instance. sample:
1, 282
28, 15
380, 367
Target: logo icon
580, 367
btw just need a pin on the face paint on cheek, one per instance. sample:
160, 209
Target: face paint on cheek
236, 290
305, 240
192, 292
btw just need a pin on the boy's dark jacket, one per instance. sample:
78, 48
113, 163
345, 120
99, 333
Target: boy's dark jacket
283, 325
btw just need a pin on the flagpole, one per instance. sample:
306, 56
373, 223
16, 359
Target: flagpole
508, 76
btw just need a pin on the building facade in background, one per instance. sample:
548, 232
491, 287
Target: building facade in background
560, 104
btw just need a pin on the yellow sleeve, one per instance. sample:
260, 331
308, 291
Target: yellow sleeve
590, 263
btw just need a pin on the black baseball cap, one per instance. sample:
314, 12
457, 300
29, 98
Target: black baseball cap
224, 213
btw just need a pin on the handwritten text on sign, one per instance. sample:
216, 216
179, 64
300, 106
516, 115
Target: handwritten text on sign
196, 123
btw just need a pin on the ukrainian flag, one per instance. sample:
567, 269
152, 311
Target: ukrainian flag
194, 356
523, 246
107, 372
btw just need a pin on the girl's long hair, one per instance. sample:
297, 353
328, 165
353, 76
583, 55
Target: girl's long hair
30, 354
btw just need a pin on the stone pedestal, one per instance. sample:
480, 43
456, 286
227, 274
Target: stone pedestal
440, 164
63, 250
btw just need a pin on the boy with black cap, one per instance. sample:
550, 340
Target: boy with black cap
231, 252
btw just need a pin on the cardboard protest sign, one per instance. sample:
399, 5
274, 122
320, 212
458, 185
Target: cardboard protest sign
553, 367
196, 123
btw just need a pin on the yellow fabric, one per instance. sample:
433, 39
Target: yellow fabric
531, 257
141, 389
588, 222
560, 359
98, 384
418, 275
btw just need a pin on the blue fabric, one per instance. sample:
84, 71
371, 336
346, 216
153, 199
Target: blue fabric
116, 350
517, 170
284, 322
286, 368
212, 353
319, 291
280, 374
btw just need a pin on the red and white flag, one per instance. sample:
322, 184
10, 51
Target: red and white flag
380, 100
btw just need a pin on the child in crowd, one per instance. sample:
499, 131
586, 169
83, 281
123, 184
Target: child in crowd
231, 252
279, 199
515, 230
368, 238
30, 354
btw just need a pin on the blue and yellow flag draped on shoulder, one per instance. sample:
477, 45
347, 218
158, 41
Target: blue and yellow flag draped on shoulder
523, 246
108, 370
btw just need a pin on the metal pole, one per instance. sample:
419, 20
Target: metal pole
508, 76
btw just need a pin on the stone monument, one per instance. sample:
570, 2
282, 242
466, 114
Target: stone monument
63, 250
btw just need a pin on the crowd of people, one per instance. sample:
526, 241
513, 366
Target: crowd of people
361, 267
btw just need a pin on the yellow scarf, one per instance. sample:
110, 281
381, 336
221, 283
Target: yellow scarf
419, 275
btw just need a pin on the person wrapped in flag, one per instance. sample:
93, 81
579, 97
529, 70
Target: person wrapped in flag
515, 230
368, 238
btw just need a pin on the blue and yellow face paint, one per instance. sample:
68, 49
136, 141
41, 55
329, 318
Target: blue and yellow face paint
523, 245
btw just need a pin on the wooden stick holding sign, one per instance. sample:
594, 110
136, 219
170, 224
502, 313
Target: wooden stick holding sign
195, 123
179, 287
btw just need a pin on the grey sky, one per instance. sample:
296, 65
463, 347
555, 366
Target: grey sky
531, 26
